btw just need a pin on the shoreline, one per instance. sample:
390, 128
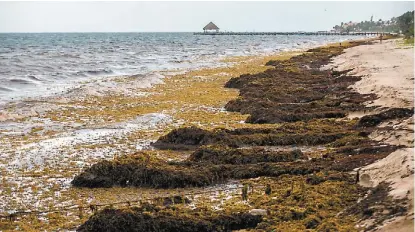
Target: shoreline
207, 63
86, 179
63, 162
204, 77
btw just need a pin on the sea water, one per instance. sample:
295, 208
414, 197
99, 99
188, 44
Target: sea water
40, 64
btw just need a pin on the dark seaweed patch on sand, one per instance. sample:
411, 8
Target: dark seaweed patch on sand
305, 192
216, 164
161, 174
192, 137
378, 206
390, 114
296, 90
226, 155
137, 219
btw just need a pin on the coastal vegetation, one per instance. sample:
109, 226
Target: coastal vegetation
403, 24
409, 41
406, 24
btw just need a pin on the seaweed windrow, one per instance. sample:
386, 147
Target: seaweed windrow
226, 155
297, 90
306, 102
200, 171
255, 139
314, 132
376, 119
137, 219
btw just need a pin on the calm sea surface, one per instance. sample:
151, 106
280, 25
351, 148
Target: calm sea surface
40, 64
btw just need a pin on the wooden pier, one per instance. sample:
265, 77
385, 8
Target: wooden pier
293, 33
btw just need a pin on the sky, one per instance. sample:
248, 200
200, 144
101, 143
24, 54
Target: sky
189, 16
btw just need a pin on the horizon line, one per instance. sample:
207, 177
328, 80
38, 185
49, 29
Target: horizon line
45, 32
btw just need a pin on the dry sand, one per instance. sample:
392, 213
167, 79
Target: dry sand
387, 70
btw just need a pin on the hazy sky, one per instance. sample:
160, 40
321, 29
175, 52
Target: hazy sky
188, 16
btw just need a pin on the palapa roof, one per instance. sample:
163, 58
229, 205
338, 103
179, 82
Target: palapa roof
211, 26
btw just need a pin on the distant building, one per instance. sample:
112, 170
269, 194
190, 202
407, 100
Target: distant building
211, 27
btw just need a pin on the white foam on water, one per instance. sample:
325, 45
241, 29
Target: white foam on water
35, 154
56, 63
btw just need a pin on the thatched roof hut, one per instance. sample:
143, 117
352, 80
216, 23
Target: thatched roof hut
210, 27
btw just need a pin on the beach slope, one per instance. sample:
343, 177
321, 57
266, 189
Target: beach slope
387, 71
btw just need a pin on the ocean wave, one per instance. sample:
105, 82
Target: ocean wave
99, 72
78, 74
4, 89
69, 55
151, 75
62, 60
21, 81
34, 78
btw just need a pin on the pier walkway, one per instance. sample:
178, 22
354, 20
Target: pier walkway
291, 33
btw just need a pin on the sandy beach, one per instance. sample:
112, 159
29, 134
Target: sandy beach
387, 71
47, 142
207, 116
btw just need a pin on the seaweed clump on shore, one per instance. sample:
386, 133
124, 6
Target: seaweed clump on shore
166, 201
393, 113
186, 138
137, 170
297, 90
161, 174
226, 155
215, 164
311, 134
378, 206
137, 219
305, 103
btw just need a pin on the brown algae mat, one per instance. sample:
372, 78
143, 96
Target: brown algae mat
207, 146
305, 190
152, 218
194, 98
